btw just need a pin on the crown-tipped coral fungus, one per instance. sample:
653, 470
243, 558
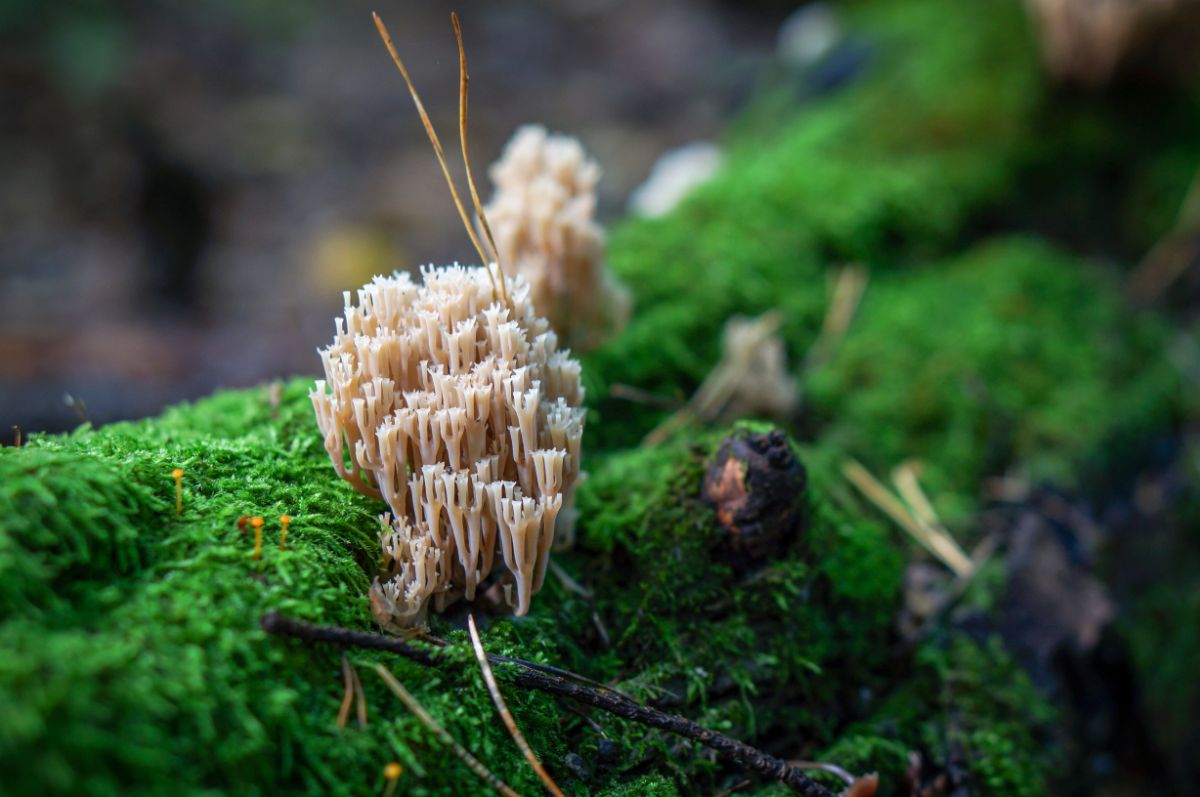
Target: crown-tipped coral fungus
450, 400
543, 217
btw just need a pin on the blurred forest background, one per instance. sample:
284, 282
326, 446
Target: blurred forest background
189, 187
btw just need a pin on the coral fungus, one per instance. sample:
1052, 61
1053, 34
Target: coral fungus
463, 415
542, 217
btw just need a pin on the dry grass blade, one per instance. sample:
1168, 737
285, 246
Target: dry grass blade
360, 698
463, 80
890, 505
505, 715
949, 551
848, 289
443, 735
353, 690
1173, 254
569, 583
343, 715
435, 141
717, 388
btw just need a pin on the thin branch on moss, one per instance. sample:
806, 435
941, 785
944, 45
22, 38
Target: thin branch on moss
505, 715
729, 748
413, 705
533, 665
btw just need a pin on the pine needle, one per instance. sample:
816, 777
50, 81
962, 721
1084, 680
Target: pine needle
442, 734
505, 715
360, 698
939, 544
717, 388
353, 689
463, 80
949, 551
848, 288
343, 715
436, 142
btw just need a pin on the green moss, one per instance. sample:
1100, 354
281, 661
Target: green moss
131, 638
1161, 626
1012, 355
863, 754
968, 706
788, 648
125, 657
44, 552
884, 173
133, 661
121, 667
645, 786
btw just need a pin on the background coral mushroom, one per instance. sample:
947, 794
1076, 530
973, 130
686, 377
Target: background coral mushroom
461, 413
542, 215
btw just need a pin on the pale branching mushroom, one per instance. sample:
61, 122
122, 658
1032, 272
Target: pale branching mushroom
542, 216
452, 402
1088, 41
460, 412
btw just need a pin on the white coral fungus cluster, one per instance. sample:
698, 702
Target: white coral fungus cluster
542, 217
459, 410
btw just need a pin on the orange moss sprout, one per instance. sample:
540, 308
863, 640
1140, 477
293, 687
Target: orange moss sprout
257, 523
284, 520
392, 773
177, 475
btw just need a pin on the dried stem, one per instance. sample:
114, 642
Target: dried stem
1172, 255
848, 288
360, 697
717, 388
343, 715
436, 142
413, 705
907, 484
937, 543
463, 80
729, 748
505, 715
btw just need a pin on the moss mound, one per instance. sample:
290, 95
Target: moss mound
134, 663
115, 676
136, 644
886, 173
989, 363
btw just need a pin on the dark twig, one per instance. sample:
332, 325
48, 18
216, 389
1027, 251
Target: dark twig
532, 665
738, 752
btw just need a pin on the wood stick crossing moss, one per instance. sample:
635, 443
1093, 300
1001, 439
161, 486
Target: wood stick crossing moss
727, 747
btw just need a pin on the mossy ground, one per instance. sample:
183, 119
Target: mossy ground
132, 635
133, 660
